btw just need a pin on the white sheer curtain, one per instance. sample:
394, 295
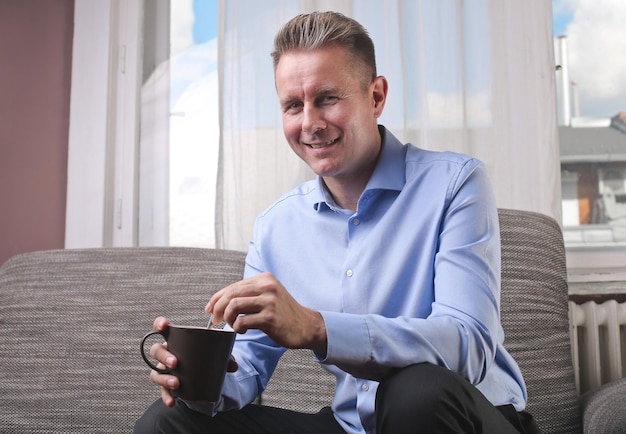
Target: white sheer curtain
472, 76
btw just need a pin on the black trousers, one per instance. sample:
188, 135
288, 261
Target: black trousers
421, 398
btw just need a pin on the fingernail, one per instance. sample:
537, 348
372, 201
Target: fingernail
171, 382
169, 361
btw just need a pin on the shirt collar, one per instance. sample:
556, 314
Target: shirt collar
386, 175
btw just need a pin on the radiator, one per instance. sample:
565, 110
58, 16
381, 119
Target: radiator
598, 337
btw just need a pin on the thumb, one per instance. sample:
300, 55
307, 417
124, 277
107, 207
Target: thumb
232, 365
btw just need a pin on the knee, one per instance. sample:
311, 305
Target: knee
420, 386
423, 396
144, 425
148, 421
154, 420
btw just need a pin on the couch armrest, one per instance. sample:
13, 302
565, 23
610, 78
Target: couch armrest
603, 408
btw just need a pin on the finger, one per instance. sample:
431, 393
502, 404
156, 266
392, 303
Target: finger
167, 398
243, 288
235, 299
160, 323
213, 299
232, 365
167, 383
245, 313
221, 299
162, 355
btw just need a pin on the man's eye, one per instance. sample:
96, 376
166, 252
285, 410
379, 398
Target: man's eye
293, 107
329, 99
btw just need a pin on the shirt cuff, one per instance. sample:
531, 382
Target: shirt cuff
348, 339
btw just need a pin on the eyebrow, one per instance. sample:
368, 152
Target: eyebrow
321, 90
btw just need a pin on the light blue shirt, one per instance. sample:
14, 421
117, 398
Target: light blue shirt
412, 276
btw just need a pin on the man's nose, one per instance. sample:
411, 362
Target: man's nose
313, 119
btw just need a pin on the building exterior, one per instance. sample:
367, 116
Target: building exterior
593, 177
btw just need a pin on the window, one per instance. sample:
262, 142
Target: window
179, 124
126, 89
592, 127
141, 144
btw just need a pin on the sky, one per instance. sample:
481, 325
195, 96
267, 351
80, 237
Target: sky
596, 47
205, 28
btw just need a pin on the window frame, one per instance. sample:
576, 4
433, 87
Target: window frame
103, 129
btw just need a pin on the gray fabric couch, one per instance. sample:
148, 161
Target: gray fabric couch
71, 322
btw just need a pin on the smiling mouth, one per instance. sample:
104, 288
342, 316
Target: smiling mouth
321, 145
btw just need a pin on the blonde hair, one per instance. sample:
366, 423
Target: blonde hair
321, 29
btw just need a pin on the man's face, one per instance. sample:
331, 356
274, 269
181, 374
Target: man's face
329, 119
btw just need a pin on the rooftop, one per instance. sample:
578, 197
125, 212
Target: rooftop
586, 144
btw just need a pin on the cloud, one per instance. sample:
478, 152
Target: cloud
596, 42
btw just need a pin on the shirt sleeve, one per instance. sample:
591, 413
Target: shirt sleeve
463, 329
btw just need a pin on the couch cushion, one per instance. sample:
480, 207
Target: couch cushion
603, 408
299, 383
70, 326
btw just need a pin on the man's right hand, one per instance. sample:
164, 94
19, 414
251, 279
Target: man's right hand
167, 382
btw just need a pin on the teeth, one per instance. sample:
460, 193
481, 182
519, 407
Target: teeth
321, 145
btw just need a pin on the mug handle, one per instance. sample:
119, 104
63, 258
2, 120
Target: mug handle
146, 359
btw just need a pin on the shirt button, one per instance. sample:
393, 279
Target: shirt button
365, 387
349, 273
356, 222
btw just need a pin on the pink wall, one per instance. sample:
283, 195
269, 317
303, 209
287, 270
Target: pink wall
35, 74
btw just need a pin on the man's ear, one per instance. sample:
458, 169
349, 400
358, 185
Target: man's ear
379, 93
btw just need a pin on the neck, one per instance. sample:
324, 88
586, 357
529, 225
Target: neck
346, 195
346, 189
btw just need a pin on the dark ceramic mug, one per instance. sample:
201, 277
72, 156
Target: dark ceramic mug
203, 356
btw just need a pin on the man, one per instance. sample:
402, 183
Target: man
386, 267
